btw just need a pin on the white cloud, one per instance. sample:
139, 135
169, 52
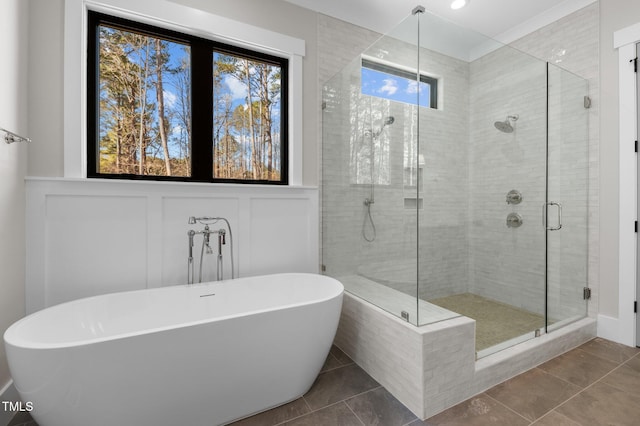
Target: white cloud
177, 130
413, 87
169, 98
238, 90
390, 87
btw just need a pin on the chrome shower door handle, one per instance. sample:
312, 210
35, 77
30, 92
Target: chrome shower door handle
546, 206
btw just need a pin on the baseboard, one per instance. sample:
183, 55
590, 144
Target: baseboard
8, 393
612, 329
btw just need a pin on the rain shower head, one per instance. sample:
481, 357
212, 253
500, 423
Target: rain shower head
505, 126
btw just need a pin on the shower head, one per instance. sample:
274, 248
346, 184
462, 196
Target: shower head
387, 122
505, 126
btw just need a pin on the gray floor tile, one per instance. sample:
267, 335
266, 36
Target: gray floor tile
481, 410
342, 358
609, 350
330, 363
379, 408
602, 404
579, 367
22, 419
276, 415
626, 377
339, 384
534, 393
336, 358
334, 415
553, 418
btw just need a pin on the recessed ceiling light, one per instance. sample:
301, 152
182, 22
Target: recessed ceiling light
459, 4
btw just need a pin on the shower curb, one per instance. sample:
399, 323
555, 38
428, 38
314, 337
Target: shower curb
433, 367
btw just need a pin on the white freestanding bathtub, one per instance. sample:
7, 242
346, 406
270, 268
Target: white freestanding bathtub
204, 354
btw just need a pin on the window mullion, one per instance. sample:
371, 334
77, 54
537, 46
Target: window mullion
201, 111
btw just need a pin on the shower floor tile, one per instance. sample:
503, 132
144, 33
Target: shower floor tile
496, 322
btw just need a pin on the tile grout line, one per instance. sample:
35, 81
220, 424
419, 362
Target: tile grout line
307, 414
362, 393
508, 408
563, 379
592, 384
620, 364
311, 410
560, 414
606, 359
307, 404
585, 388
353, 412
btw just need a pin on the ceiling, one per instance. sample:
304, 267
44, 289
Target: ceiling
504, 20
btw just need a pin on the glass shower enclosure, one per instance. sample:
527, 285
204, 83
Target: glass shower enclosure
454, 182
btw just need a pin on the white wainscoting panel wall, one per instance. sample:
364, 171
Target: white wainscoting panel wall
91, 237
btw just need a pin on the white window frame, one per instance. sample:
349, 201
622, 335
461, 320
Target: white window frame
179, 18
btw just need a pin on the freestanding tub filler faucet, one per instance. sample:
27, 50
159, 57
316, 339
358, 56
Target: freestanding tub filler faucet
206, 242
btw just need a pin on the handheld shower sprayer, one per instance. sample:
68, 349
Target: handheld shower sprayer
368, 202
386, 122
190, 233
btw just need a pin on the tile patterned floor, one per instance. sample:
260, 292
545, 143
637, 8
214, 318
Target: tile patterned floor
595, 384
496, 322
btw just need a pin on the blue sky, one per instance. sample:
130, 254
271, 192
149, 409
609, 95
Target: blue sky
395, 88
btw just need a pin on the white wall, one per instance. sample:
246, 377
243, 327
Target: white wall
101, 236
13, 160
614, 15
617, 178
46, 27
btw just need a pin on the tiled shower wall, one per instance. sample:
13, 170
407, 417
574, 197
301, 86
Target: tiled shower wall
470, 166
511, 269
573, 44
442, 237
507, 264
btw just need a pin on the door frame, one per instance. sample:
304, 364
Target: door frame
622, 329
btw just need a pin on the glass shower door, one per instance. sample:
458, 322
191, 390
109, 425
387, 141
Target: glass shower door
507, 188
566, 211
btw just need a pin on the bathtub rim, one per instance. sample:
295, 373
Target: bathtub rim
12, 337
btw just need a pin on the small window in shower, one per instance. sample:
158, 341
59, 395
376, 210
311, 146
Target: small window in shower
398, 84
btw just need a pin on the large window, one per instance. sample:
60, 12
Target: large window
170, 106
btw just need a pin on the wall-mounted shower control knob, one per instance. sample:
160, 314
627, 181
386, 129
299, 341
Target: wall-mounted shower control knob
514, 197
514, 220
